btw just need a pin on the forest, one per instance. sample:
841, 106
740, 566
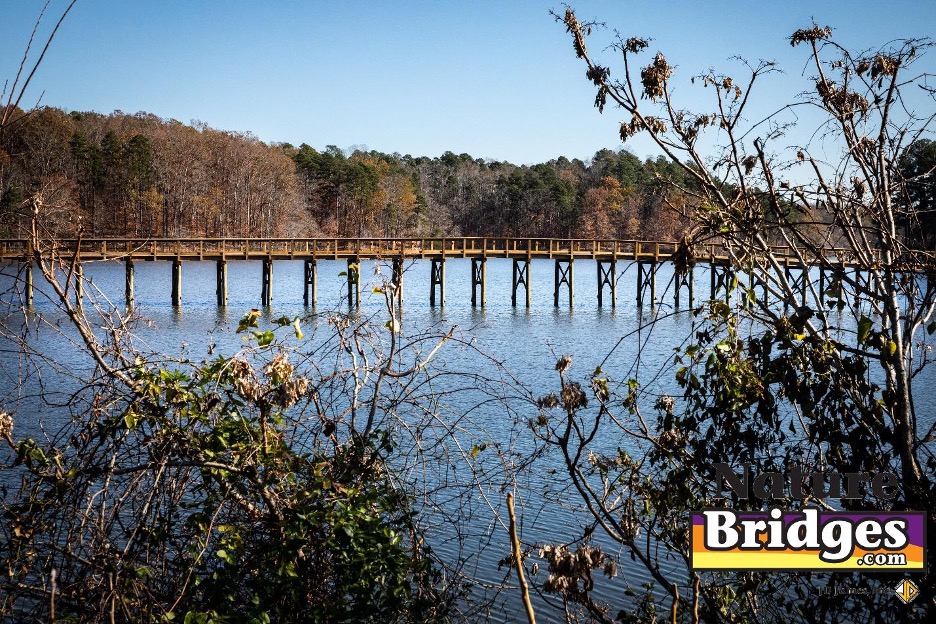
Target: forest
123, 175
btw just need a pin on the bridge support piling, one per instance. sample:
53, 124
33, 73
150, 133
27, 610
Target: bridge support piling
822, 286
646, 278
478, 278
798, 283
836, 287
397, 280
177, 282
804, 285
521, 277
683, 281
722, 279
354, 282
310, 273
28, 282
266, 289
128, 282
565, 275
437, 278
221, 291
713, 280
607, 276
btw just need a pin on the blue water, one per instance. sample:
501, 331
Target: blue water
499, 359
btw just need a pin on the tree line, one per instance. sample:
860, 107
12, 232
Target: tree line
142, 176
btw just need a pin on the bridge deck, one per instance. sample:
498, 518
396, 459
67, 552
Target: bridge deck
376, 248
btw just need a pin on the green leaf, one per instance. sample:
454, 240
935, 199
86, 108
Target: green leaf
295, 325
864, 328
263, 338
131, 420
249, 320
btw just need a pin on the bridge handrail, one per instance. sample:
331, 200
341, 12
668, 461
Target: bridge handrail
426, 245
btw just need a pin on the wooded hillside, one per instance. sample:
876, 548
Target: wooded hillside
143, 176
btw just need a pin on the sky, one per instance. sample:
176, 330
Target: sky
494, 79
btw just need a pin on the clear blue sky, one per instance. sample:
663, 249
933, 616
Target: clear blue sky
493, 78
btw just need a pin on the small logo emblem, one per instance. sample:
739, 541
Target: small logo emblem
907, 591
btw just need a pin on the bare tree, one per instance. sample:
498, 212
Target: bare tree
15, 92
793, 369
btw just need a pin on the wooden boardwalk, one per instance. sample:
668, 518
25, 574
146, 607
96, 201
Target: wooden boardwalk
648, 255
342, 248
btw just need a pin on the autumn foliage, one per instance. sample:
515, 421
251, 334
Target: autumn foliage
143, 176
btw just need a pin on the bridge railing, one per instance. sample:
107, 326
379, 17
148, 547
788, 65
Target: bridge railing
12, 249
366, 246
347, 246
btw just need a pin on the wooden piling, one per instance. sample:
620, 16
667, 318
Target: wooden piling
478, 278
437, 278
691, 289
721, 279
221, 289
838, 283
804, 285
680, 282
646, 278
397, 280
521, 277
177, 282
128, 282
653, 270
713, 280
28, 282
354, 282
310, 273
565, 275
266, 289
800, 282
822, 284
607, 277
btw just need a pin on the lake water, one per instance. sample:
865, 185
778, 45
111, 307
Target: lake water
521, 347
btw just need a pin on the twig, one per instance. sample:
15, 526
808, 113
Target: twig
518, 562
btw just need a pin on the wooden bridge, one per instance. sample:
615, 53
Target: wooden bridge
648, 255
